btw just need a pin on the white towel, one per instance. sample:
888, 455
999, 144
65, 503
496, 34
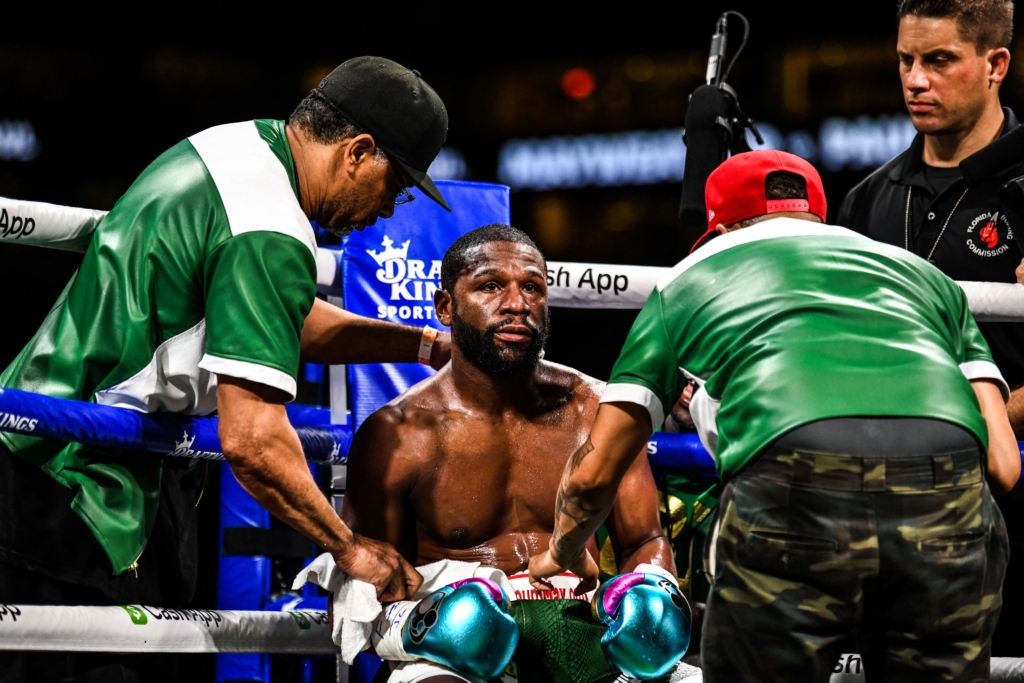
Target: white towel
355, 604
446, 572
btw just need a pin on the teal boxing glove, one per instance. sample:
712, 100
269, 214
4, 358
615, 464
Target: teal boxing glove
648, 623
464, 626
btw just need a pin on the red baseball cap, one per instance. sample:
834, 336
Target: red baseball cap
735, 190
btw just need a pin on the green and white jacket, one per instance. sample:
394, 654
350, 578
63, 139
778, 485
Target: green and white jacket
205, 266
788, 322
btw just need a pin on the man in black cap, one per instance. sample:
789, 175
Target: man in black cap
197, 294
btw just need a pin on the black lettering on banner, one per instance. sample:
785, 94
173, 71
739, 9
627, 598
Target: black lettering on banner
604, 283
206, 617
319, 618
558, 278
9, 611
850, 664
15, 226
588, 276
625, 284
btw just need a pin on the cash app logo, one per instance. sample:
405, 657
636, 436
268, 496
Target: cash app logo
301, 619
137, 615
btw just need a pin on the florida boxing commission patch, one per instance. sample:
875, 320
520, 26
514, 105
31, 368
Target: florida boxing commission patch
984, 237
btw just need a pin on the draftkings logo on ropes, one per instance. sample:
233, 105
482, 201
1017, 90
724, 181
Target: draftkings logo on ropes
411, 284
983, 234
18, 423
184, 448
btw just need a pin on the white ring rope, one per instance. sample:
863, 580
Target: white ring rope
141, 629
136, 628
571, 285
595, 285
47, 225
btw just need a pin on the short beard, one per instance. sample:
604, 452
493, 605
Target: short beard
342, 231
340, 206
347, 205
479, 347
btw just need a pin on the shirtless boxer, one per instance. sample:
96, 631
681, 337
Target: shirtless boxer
465, 466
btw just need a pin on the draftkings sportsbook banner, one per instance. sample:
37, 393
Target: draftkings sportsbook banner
390, 272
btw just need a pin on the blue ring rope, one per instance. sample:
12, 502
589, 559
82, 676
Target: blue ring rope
23, 412
122, 429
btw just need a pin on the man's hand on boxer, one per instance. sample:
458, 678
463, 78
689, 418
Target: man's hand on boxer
544, 566
1020, 272
441, 352
380, 564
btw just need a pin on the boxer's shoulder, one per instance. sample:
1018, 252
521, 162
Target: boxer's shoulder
409, 424
569, 387
418, 403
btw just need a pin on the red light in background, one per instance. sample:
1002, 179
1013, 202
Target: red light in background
578, 83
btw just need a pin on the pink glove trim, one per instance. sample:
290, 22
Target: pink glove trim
494, 589
612, 595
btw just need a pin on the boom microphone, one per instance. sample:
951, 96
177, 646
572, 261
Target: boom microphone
714, 124
716, 58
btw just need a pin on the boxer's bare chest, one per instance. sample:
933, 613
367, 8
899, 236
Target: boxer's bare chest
487, 493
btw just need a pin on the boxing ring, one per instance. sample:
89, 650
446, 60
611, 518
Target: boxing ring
140, 629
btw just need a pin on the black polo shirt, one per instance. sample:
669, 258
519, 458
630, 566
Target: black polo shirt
968, 221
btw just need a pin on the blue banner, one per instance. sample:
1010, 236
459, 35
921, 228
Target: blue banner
391, 270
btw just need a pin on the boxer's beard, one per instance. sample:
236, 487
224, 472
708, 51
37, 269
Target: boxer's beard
479, 347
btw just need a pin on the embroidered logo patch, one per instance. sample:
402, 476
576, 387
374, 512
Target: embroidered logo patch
983, 234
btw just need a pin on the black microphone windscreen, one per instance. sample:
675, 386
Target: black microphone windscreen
707, 144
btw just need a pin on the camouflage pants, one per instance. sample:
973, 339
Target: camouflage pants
813, 555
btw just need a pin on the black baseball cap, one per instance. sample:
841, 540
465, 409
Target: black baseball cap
396, 106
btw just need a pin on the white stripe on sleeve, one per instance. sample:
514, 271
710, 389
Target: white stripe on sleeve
983, 369
639, 394
253, 372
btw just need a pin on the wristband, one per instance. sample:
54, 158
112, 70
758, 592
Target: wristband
426, 344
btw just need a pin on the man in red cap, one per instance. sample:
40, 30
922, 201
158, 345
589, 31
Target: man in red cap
858, 423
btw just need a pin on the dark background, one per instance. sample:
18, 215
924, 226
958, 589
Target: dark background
106, 95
